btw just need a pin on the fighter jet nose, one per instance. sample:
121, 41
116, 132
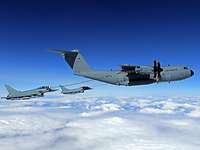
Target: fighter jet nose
86, 88
192, 72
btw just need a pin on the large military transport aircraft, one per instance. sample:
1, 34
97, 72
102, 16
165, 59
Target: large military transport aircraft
15, 94
129, 75
74, 91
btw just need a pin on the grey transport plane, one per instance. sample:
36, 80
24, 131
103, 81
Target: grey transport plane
74, 91
128, 75
14, 94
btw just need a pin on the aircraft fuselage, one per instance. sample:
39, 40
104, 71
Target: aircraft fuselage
143, 77
129, 75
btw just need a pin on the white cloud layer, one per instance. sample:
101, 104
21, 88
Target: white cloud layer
85, 123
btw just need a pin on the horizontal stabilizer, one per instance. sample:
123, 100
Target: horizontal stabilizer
58, 51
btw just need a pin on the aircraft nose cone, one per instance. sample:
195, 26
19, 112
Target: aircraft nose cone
86, 88
192, 72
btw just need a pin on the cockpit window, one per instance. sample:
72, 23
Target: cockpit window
186, 68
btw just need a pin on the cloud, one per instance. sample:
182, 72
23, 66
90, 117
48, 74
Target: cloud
98, 123
195, 113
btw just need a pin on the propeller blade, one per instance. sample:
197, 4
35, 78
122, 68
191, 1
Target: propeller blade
157, 70
158, 64
154, 63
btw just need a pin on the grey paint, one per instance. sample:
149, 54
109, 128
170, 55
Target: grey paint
16, 94
142, 75
73, 91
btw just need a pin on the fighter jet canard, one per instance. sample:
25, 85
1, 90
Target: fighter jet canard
14, 94
129, 75
75, 90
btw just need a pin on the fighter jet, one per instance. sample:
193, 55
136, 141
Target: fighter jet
74, 91
128, 75
15, 94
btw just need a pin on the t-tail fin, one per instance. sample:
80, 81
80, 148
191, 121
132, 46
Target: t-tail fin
11, 90
75, 61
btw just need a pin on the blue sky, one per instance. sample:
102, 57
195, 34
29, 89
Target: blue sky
107, 33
